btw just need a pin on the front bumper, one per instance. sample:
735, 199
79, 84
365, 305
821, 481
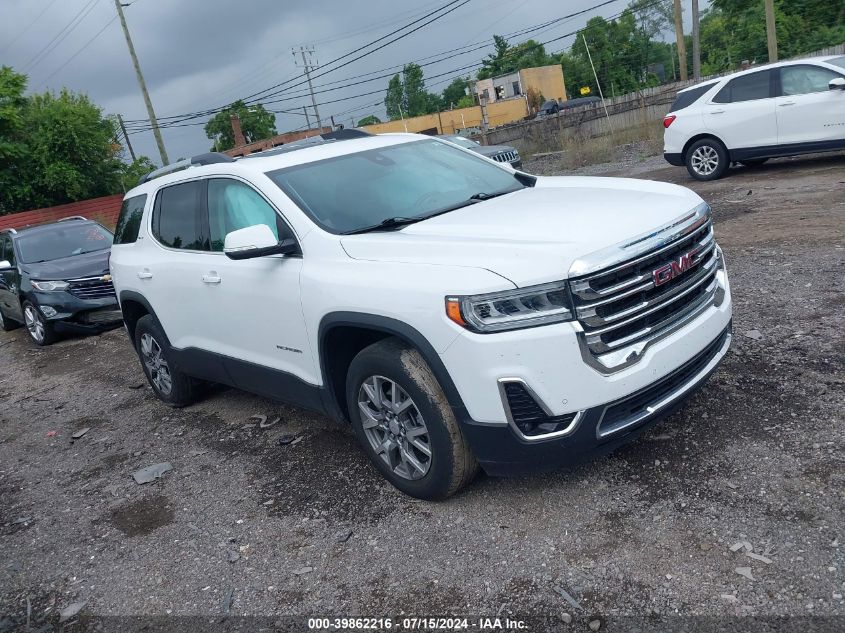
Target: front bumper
598, 430
68, 313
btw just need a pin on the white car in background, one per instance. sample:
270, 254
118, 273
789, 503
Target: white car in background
783, 109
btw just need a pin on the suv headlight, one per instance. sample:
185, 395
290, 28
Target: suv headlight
48, 286
511, 309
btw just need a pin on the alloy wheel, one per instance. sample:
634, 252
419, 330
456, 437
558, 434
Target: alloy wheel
394, 427
156, 364
705, 160
34, 323
2, 322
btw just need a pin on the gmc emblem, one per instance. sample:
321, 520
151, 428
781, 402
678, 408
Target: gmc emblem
673, 269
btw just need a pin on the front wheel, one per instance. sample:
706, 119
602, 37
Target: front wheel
171, 385
707, 159
40, 331
405, 424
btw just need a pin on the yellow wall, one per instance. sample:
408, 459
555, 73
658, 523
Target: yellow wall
498, 113
547, 80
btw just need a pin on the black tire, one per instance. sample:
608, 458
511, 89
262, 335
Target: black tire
754, 162
707, 159
451, 464
7, 325
172, 386
40, 331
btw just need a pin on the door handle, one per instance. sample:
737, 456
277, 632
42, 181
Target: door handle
145, 274
788, 103
211, 278
717, 111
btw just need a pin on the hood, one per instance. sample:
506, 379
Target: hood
535, 234
86, 265
492, 150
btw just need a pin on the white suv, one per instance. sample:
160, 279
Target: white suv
457, 312
783, 109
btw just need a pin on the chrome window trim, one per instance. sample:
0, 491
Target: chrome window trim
645, 245
569, 430
669, 399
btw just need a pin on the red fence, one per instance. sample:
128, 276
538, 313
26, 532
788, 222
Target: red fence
105, 210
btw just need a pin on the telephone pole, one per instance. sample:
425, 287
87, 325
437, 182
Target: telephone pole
308, 65
682, 45
150, 112
696, 42
126, 137
771, 34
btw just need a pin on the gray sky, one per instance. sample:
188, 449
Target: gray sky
199, 54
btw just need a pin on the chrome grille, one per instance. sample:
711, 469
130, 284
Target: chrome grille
505, 157
624, 304
91, 287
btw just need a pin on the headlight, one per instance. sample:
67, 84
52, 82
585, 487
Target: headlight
48, 286
511, 309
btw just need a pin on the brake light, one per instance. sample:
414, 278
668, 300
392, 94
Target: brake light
669, 120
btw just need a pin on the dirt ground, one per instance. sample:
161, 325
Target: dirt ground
731, 507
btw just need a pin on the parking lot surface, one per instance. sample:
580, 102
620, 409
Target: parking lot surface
732, 506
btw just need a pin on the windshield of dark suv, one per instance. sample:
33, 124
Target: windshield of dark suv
463, 142
837, 61
63, 240
409, 182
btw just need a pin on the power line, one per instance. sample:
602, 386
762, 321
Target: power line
72, 57
27, 27
61, 35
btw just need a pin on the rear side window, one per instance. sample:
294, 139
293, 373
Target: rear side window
746, 88
129, 221
178, 217
686, 98
803, 80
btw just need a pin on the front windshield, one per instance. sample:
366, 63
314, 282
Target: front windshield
65, 240
409, 180
837, 61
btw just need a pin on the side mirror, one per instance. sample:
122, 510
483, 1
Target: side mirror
837, 84
256, 241
5, 265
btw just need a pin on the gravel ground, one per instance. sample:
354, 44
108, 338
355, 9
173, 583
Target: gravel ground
731, 507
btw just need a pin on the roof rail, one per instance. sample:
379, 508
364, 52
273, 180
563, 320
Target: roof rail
200, 159
72, 217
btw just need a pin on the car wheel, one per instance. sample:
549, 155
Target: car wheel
171, 385
39, 329
405, 424
707, 159
753, 162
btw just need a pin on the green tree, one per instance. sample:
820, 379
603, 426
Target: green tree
371, 119
256, 124
131, 173
406, 94
54, 148
506, 59
454, 92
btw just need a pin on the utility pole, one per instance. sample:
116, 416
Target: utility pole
598, 85
679, 37
696, 42
150, 112
307, 118
771, 34
308, 65
126, 137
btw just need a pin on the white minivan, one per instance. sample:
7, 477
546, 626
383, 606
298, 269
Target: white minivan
783, 109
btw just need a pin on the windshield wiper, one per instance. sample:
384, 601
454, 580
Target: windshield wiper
483, 195
385, 225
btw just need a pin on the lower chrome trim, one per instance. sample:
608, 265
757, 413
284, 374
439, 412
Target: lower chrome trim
534, 438
667, 400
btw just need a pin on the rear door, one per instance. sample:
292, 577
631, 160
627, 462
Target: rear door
742, 113
807, 110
